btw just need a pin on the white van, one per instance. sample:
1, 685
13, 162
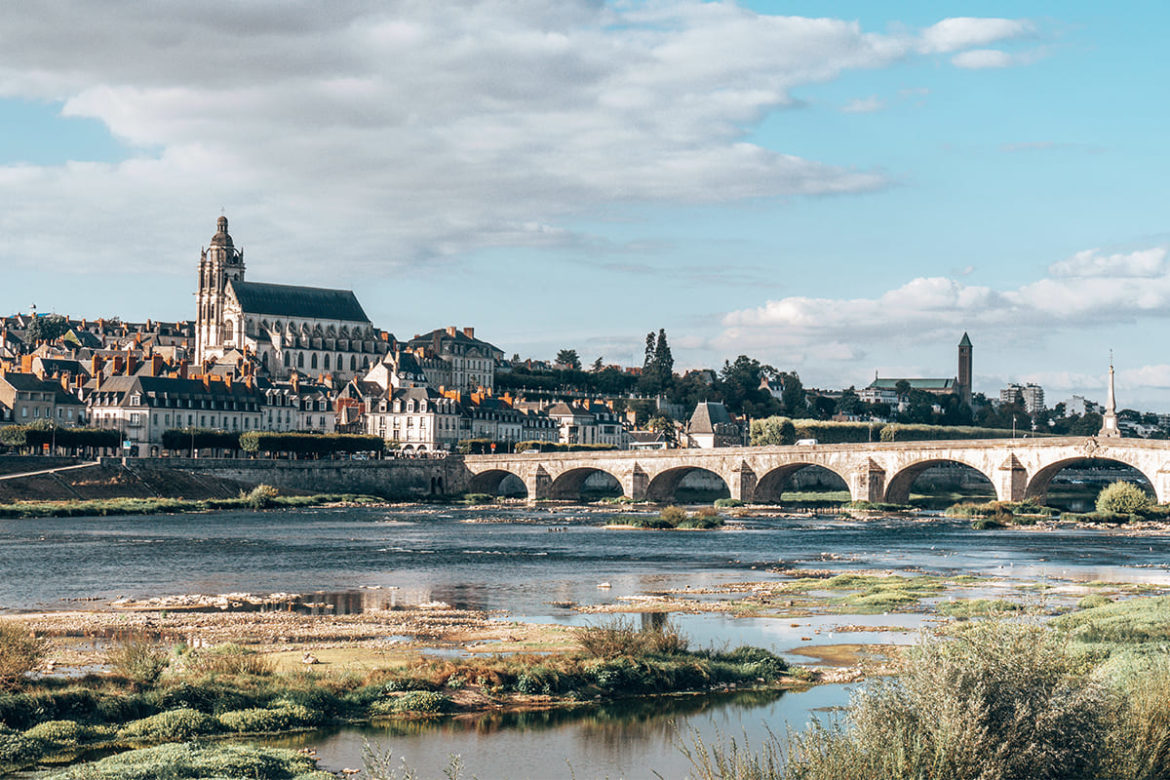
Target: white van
806, 442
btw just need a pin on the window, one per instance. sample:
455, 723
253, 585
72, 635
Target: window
326, 366
353, 362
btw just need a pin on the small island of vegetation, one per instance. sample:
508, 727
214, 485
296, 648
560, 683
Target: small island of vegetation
671, 518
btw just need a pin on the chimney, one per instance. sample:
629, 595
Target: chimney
451, 331
131, 364
207, 381
469, 332
156, 365
296, 382
227, 380
26, 364
183, 368
119, 364
249, 382
95, 365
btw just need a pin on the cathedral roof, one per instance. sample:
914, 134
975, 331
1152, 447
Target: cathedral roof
286, 300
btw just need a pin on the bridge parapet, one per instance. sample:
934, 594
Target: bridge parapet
879, 471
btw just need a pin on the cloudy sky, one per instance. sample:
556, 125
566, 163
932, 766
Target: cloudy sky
837, 196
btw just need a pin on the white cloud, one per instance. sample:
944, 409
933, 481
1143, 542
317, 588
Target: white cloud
963, 32
1088, 288
864, 105
377, 139
978, 59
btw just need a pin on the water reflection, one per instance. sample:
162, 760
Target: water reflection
620, 739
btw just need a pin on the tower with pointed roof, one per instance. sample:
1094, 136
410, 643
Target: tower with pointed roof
1109, 427
964, 378
219, 264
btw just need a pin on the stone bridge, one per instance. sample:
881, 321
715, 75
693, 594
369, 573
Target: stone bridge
878, 472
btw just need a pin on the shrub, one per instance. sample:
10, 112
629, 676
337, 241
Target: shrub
20, 653
478, 498
728, 503
138, 660
618, 637
261, 496
268, 719
986, 523
61, 733
18, 749
1094, 600
755, 661
170, 726
673, 515
194, 760
1122, 498
414, 703
999, 700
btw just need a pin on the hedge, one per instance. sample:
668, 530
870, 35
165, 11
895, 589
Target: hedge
310, 443
782, 430
553, 446
37, 436
203, 438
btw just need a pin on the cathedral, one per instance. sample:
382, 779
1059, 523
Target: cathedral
284, 328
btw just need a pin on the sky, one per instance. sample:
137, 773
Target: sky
835, 188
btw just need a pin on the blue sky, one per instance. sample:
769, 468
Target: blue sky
832, 188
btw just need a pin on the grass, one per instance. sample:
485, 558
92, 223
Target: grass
149, 506
969, 608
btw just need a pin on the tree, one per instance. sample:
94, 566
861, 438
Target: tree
658, 370
663, 359
597, 365
649, 361
662, 423
47, 328
902, 388
569, 358
793, 395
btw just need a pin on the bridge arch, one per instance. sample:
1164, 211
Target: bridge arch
898, 486
664, 486
498, 482
1038, 485
771, 485
570, 485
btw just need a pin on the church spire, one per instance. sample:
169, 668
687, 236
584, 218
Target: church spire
1109, 429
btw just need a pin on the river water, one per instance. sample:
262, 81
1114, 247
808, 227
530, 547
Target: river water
530, 562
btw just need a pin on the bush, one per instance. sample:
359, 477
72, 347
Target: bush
261, 496
170, 726
999, 701
60, 734
414, 703
268, 719
138, 660
18, 749
1122, 498
1094, 600
673, 515
986, 523
618, 637
478, 498
194, 760
728, 503
20, 653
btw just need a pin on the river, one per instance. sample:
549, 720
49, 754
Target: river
528, 562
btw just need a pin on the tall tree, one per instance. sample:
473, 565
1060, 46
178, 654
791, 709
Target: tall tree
793, 395
649, 361
663, 360
597, 365
569, 358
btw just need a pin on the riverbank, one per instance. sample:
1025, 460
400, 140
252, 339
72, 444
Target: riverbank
258, 498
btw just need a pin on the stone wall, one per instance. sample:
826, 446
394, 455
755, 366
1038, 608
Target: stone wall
395, 478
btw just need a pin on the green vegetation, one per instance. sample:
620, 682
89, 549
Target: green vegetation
1123, 498
178, 439
310, 443
671, 518
418, 703
871, 506
199, 760
998, 514
727, 503
150, 506
552, 446
969, 608
36, 436
139, 660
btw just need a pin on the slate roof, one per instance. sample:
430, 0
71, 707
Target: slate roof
286, 300
915, 384
707, 415
428, 339
966, 342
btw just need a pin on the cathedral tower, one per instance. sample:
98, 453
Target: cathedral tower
219, 263
964, 379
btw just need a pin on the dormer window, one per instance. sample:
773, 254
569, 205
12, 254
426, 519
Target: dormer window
136, 400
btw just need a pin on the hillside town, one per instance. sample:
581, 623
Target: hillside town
283, 358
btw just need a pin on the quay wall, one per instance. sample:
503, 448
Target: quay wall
393, 478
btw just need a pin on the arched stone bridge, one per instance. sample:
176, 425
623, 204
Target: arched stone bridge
878, 472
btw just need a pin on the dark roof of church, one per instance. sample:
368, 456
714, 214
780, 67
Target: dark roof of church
286, 300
